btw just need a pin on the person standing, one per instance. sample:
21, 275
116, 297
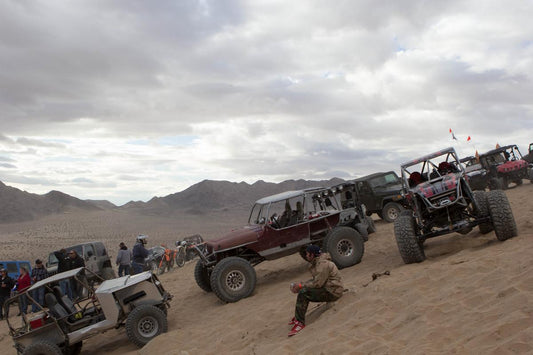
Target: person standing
6, 284
139, 254
37, 274
63, 264
325, 286
123, 260
23, 283
75, 261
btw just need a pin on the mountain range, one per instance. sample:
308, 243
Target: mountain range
17, 205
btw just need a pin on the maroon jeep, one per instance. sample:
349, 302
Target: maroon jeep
282, 225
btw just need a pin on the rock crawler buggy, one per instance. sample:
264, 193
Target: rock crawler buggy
282, 225
139, 303
442, 202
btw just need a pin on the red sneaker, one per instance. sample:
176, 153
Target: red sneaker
297, 327
293, 321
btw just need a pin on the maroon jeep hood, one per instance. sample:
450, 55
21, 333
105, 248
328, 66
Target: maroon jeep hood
245, 235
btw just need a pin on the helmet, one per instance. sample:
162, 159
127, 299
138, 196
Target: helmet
141, 238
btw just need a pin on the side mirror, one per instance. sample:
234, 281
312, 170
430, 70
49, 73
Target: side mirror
89, 254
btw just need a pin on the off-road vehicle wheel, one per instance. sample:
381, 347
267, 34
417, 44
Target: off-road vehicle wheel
363, 231
391, 211
495, 184
371, 225
145, 323
180, 259
501, 214
483, 206
345, 246
233, 278
42, 348
201, 275
410, 249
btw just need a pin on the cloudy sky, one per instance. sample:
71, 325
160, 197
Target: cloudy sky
125, 100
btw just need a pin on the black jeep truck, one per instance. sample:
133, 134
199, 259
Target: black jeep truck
441, 202
381, 194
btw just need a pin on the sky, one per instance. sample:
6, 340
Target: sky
126, 100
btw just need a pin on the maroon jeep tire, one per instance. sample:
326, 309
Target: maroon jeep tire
201, 275
345, 246
232, 279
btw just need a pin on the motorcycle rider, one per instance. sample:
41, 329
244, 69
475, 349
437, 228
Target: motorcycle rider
139, 254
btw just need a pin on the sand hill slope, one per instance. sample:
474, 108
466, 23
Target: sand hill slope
473, 294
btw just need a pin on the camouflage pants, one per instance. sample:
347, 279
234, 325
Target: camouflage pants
307, 295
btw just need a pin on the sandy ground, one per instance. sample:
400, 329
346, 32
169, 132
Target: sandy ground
473, 294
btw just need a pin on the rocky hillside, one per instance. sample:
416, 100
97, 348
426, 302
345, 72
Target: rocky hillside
17, 205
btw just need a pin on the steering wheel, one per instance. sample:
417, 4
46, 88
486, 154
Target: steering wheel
274, 219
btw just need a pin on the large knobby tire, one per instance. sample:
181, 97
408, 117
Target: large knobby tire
362, 229
232, 279
145, 323
201, 275
42, 348
391, 211
371, 225
410, 249
483, 206
345, 246
501, 214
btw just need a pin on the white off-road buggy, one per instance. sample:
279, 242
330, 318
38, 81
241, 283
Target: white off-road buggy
137, 302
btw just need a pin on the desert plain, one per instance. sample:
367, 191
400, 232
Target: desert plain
473, 294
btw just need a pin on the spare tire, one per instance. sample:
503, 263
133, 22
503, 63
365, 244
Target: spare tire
42, 347
345, 246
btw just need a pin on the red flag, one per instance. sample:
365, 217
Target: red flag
450, 130
468, 139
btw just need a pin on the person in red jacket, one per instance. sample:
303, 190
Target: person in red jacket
23, 282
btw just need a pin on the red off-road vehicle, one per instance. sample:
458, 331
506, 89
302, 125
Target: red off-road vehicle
281, 225
504, 165
441, 202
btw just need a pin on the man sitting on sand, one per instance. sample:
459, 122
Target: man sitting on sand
325, 286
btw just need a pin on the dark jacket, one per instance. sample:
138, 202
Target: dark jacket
63, 262
139, 253
6, 284
76, 262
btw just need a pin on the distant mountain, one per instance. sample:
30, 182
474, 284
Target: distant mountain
17, 205
103, 204
198, 199
211, 195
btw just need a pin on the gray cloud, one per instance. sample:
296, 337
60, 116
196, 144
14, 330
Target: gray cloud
268, 90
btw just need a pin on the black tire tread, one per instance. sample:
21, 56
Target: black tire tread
139, 312
410, 249
202, 276
42, 347
330, 242
217, 283
483, 206
502, 215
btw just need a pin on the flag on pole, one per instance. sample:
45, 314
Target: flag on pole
468, 139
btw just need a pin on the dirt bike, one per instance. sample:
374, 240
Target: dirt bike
181, 252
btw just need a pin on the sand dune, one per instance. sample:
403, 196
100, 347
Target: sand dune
473, 294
